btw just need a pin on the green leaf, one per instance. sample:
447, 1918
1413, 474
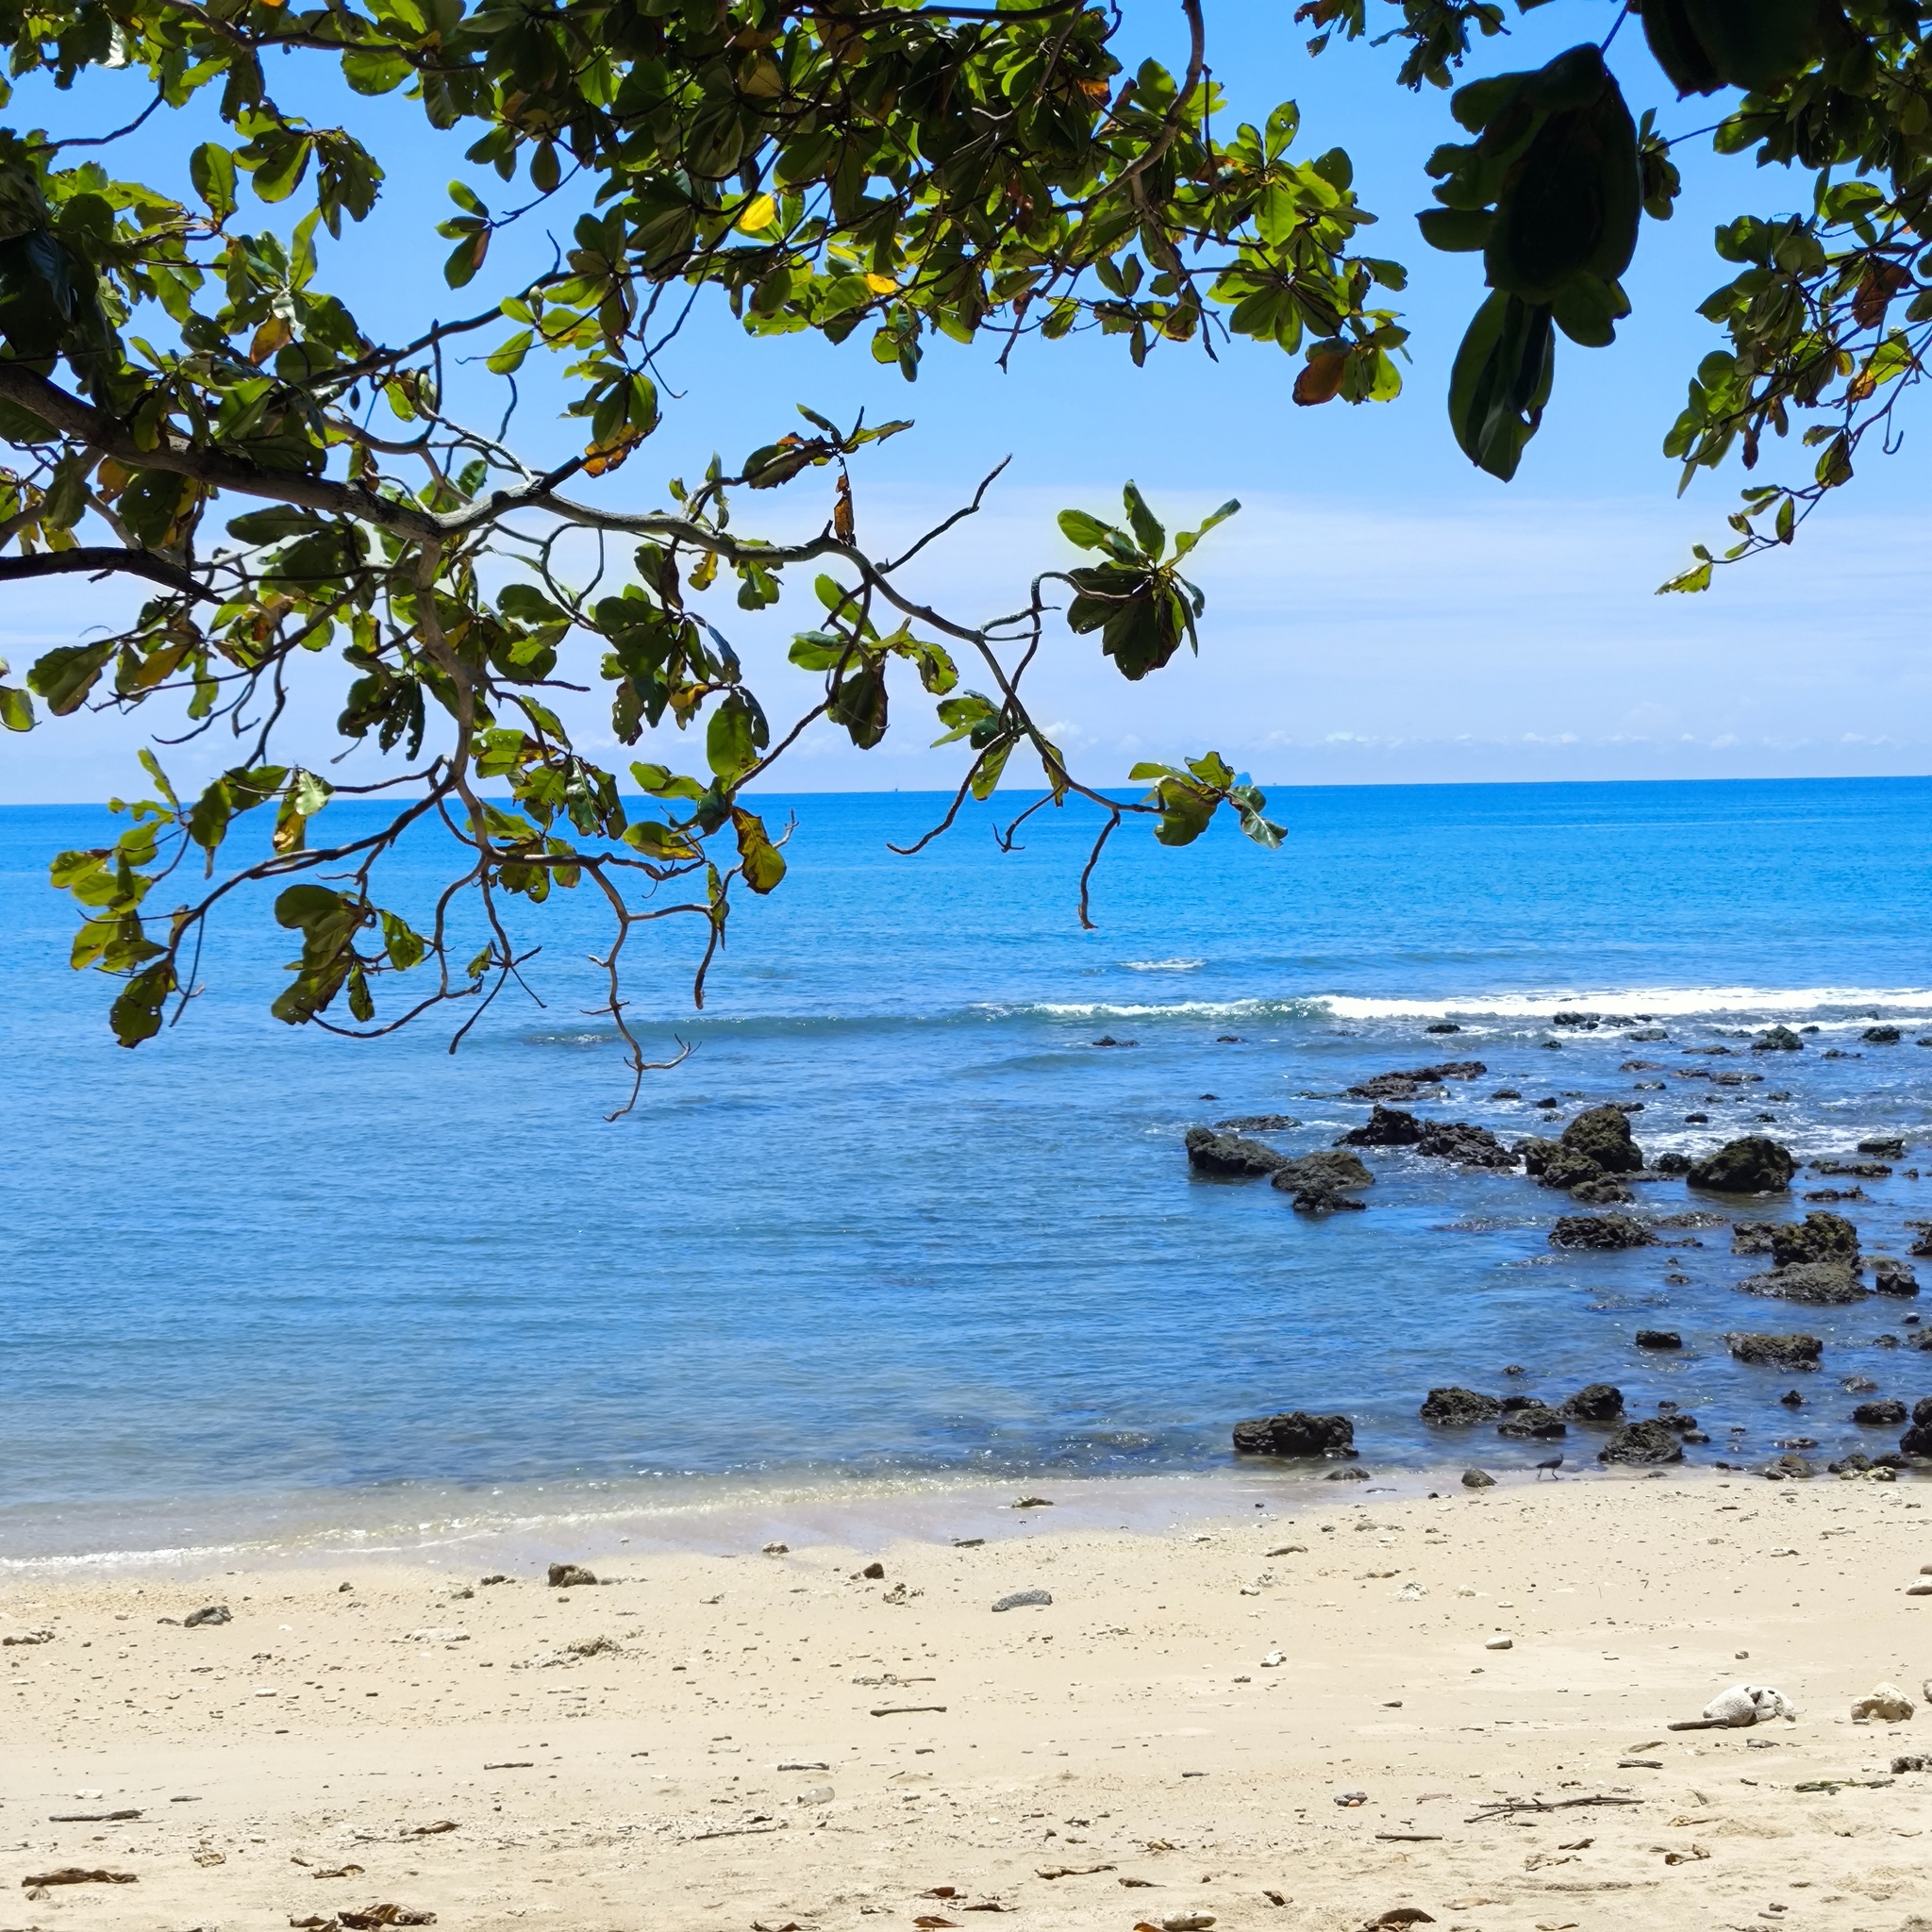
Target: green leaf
16, 709
734, 736
761, 862
1147, 531
212, 167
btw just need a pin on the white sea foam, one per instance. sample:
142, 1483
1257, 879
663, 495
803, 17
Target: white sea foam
1164, 965
1660, 1002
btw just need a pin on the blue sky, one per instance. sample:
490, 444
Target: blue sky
1379, 611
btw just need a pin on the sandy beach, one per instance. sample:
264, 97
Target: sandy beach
768, 1740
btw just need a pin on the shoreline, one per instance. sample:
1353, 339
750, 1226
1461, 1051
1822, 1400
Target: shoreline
508, 1527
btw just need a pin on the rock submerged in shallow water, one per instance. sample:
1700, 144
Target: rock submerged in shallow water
1602, 1134
1779, 1040
1296, 1433
1386, 1126
1755, 1165
1601, 1402
1225, 1153
1917, 1440
1465, 1144
1891, 1277
1880, 1036
1886, 1414
1643, 1443
1402, 1086
1816, 1284
1601, 1231
1533, 1421
1775, 1351
1257, 1123
1821, 1236
1455, 1409
1322, 1199
1606, 1190
1329, 1169
1658, 1337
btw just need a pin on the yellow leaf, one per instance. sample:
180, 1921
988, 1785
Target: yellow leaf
273, 334
759, 215
882, 285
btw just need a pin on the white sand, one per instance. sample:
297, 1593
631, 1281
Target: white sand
1130, 1732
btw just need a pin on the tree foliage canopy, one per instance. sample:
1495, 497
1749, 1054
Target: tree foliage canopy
187, 404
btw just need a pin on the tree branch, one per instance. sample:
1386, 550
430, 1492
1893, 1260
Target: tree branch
101, 558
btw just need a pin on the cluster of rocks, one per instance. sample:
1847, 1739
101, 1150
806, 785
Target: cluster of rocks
1407, 1086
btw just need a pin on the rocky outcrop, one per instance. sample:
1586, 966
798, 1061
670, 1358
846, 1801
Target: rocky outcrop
1752, 1237
1886, 1414
1601, 1402
1885, 1147
1891, 1276
1605, 1231
1673, 1164
1775, 1351
1533, 1421
1459, 1409
1779, 1040
1226, 1153
1387, 1127
1917, 1440
1323, 1199
1606, 1190
1658, 1337
1464, 1143
1859, 1170
1602, 1134
1755, 1165
1257, 1123
1880, 1036
1296, 1433
1327, 1171
1643, 1443
1820, 1236
1405, 1086
1817, 1284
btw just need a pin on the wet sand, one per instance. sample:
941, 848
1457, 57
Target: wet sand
719, 1741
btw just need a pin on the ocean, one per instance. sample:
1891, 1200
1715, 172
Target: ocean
899, 1220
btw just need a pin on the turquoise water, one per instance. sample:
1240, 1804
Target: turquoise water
897, 1216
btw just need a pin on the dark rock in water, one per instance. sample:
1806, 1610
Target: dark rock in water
1442, 1026
1644, 1442
1779, 1040
1835, 1194
1386, 1126
1834, 1052
1879, 1415
1477, 1479
1648, 1033
1860, 1385
1859, 1170
1457, 1409
1257, 1123
1551, 1045
1889, 1277
1791, 1399
1775, 1351
1506, 1093
1319, 1198
1512, 1403
1533, 1423
1536, 1152
1819, 1237
1209, 1151
1590, 1020
1468, 1145
1922, 1246
1673, 1164
1917, 1440
1606, 1190
1401, 1086
1107, 1040
1328, 1170
1601, 1402
1719, 1051
1885, 1341
1682, 1420
1752, 1237
1566, 1169
1601, 1231
1695, 1120
1880, 1036
1755, 1165
1602, 1134
1817, 1284
1788, 1469
1658, 1337
1885, 1148
1514, 1369
1296, 1433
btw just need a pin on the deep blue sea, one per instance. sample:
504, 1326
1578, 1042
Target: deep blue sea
897, 1215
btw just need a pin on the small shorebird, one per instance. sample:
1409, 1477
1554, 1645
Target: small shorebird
1552, 1464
